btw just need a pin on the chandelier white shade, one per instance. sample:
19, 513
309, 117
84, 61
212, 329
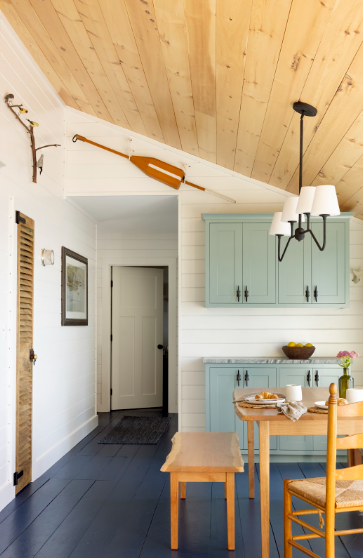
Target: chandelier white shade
289, 213
325, 201
278, 227
306, 199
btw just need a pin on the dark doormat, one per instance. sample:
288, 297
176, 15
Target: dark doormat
137, 430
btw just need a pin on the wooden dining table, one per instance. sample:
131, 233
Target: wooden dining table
272, 423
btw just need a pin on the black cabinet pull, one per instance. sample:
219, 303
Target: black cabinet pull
307, 293
247, 378
308, 378
316, 294
238, 293
246, 294
317, 378
238, 377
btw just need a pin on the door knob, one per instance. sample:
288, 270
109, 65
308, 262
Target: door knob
160, 346
33, 357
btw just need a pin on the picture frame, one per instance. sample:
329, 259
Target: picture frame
74, 288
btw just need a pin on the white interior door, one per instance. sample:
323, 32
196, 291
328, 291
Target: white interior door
137, 329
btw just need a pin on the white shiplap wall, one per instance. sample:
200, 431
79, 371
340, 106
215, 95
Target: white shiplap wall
207, 331
64, 376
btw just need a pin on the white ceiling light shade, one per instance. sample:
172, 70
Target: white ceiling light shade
289, 213
306, 199
325, 201
278, 227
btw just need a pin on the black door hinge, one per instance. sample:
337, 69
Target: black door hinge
111, 283
19, 219
111, 391
17, 477
111, 337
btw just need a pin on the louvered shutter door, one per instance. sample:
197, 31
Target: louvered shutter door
24, 366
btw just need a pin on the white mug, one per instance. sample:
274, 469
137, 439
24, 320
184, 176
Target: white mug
293, 392
354, 395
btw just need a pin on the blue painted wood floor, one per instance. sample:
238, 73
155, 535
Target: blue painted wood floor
112, 501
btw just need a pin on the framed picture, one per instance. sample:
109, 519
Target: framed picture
74, 289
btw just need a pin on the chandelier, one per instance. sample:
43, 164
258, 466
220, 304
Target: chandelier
319, 201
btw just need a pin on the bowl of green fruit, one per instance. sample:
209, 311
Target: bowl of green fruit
298, 351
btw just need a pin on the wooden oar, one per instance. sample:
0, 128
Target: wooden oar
156, 169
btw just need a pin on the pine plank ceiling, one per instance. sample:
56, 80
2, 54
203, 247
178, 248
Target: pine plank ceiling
215, 78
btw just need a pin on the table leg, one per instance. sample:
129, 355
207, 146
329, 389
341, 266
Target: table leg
251, 457
230, 511
174, 509
183, 490
265, 487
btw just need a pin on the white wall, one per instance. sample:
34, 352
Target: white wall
64, 376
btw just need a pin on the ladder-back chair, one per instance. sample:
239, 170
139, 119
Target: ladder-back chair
340, 491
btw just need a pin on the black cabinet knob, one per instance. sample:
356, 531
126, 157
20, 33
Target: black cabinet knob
160, 346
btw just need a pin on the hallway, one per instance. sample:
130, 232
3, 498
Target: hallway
107, 501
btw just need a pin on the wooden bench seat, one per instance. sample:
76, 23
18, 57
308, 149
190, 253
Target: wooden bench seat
203, 457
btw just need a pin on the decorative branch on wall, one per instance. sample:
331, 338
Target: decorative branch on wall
156, 169
30, 129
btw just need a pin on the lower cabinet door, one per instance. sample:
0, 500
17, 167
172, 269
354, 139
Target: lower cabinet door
263, 379
223, 381
303, 377
323, 378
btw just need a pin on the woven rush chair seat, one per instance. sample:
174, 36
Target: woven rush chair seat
347, 493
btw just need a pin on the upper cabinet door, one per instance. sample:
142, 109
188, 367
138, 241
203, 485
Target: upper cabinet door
329, 267
295, 272
225, 265
259, 264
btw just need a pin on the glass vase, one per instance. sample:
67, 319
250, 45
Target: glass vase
345, 382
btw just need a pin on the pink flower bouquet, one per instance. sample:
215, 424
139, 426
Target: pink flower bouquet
346, 358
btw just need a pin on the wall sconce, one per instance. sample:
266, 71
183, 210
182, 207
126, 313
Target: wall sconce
47, 257
356, 275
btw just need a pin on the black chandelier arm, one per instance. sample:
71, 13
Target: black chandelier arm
321, 248
281, 257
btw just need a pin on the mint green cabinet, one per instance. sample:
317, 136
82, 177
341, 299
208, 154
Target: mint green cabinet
242, 268
295, 273
262, 378
302, 376
259, 264
221, 382
329, 267
225, 263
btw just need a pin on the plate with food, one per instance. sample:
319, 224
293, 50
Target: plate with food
265, 398
324, 404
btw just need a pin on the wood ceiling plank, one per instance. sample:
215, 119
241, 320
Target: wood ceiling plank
48, 16
174, 45
304, 30
200, 20
73, 24
267, 27
344, 157
349, 188
42, 40
232, 27
38, 55
143, 22
342, 38
343, 111
118, 24
92, 17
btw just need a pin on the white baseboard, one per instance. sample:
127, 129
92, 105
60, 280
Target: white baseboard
7, 493
45, 461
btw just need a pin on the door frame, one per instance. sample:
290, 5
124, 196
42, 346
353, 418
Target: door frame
107, 264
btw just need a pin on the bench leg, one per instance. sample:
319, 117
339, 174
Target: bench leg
174, 509
230, 511
183, 490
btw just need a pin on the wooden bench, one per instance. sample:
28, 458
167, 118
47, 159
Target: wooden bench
203, 457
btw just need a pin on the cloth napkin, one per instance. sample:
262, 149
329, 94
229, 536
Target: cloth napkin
291, 409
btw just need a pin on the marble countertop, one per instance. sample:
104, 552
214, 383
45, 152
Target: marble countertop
266, 360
